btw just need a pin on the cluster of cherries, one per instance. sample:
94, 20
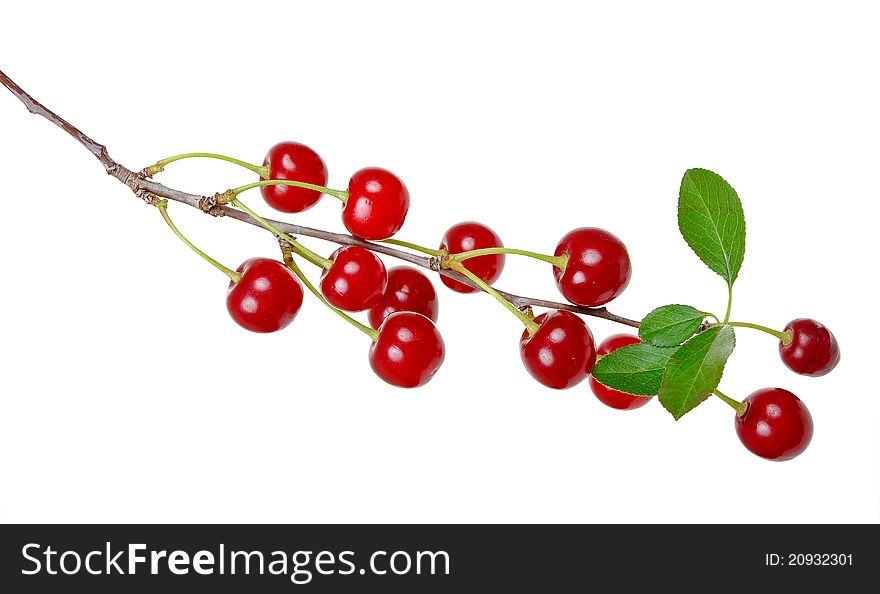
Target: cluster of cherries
558, 349
591, 267
773, 423
407, 349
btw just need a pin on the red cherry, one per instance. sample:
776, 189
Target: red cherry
407, 290
614, 398
267, 297
356, 280
813, 349
598, 268
776, 425
468, 236
377, 204
561, 353
296, 162
409, 350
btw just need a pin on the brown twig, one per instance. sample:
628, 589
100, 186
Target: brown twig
148, 189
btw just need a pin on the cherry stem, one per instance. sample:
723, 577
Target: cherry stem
299, 248
160, 165
785, 337
739, 407
559, 261
163, 209
341, 195
529, 323
729, 301
289, 262
413, 246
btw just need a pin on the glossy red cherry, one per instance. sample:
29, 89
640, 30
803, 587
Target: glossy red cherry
377, 204
356, 280
776, 425
468, 236
813, 349
614, 398
409, 350
407, 290
598, 268
561, 353
267, 297
297, 162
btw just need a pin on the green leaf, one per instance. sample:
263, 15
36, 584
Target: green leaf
695, 369
671, 325
711, 220
634, 369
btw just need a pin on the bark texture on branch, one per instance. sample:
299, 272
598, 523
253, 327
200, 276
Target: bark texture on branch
148, 189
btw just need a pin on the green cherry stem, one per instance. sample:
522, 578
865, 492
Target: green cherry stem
163, 209
739, 407
413, 246
299, 248
785, 337
341, 195
160, 165
729, 301
559, 261
529, 323
290, 263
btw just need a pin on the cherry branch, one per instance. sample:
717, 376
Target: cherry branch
151, 191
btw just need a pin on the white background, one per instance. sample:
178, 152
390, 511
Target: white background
129, 395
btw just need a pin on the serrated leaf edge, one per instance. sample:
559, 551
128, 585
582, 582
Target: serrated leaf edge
627, 347
705, 314
731, 277
720, 377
